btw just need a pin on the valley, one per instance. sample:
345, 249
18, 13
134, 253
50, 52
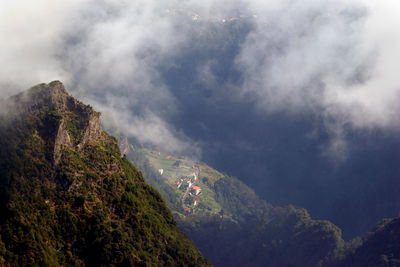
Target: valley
232, 226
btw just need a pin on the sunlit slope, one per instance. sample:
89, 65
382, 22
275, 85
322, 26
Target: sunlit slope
181, 176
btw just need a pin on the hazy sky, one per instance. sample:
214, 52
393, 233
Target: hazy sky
337, 58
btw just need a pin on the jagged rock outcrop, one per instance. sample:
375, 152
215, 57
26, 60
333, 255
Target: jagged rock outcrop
93, 130
62, 140
124, 146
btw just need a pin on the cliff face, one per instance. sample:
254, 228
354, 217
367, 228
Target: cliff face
67, 198
62, 140
93, 130
124, 145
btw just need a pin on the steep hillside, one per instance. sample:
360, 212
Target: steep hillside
67, 197
381, 247
229, 223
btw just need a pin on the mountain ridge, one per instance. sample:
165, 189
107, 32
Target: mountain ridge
69, 198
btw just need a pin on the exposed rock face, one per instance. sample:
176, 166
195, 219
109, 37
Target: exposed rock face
62, 140
124, 147
93, 130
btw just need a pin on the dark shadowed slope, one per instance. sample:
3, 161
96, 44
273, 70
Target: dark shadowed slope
381, 247
229, 223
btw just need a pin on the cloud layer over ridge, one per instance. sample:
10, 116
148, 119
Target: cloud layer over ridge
334, 58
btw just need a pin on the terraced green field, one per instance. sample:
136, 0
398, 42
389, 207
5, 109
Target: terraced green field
181, 175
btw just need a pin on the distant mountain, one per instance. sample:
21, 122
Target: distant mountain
381, 247
68, 198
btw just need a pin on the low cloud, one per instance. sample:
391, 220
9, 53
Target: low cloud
334, 58
105, 52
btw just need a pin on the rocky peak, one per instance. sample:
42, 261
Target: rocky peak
61, 120
41, 96
79, 123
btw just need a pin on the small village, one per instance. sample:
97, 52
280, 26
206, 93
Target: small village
187, 184
192, 183
191, 191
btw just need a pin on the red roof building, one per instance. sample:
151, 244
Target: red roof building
195, 190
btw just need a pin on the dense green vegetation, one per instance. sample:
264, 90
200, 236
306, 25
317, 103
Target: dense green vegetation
247, 231
244, 230
380, 247
157, 181
67, 197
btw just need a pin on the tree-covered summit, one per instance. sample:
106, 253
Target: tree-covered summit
68, 198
